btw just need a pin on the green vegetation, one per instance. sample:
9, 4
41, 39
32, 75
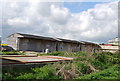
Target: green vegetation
12, 53
56, 53
8, 74
84, 66
39, 73
110, 73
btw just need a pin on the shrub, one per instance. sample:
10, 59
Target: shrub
82, 68
60, 53
111, 73
26, 76
7, 76
116, 55
80, 59
81, 53
107, 58
100, 65
102, 58
45, 72
107, 53
97, 64
116, 61
12, 53
79, 66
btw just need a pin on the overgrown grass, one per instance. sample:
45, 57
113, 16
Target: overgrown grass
42, 73
12, 53
56, 53
110, 73
7, 74
84, 66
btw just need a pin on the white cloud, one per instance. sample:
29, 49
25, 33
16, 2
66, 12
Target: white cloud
59, 15
52, 19
18, 22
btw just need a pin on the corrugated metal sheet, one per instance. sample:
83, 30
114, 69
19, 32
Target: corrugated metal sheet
37, 59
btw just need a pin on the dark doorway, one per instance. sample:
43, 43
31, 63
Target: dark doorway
57, 49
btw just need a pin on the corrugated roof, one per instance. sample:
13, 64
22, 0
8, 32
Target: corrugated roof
47, 38
33, 59
66, 40
37, 37
84, 42
53, 39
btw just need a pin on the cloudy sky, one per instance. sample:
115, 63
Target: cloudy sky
87, 21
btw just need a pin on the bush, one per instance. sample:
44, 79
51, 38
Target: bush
107, 53
82, 68
78, 67
102, 58
80, 59
116, 61
57, 53
45, 72
116, 55
107, 58
26, 76
111, 73
100, 65
81, 53
12, 53
7, 76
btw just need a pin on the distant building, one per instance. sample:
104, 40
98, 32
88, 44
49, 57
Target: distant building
114, 41
110, 48
26, 42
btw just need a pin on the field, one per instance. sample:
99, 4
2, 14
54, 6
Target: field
84, 66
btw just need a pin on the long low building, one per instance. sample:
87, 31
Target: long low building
26, 42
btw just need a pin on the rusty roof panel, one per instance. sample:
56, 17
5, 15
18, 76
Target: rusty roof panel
37, 59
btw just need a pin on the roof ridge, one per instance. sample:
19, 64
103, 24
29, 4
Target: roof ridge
52, 38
